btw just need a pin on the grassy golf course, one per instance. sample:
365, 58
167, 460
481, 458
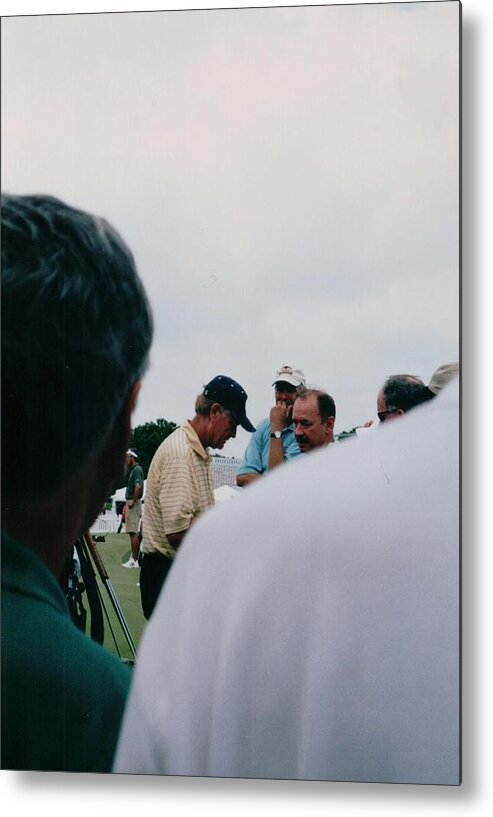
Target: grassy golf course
114, 551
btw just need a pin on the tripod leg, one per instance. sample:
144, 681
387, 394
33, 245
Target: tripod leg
90, 583
108, 621
91, 547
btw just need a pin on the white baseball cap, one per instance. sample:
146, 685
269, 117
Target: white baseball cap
286, 374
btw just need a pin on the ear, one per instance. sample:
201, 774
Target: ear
119, 439
330, 423
215, 410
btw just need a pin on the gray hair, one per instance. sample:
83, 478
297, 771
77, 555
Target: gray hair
404, 391
76, 332
203, 405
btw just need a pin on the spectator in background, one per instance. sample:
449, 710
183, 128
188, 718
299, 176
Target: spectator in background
399, 394
133, 507
74, 316
314, 415
179, 482
274, 442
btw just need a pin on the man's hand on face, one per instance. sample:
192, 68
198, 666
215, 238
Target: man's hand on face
280, 415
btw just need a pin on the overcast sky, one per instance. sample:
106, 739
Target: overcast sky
287, 178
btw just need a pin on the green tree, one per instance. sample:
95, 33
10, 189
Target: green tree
148, 437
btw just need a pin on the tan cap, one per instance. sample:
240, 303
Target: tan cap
442, 376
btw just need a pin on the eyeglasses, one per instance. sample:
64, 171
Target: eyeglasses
382, 415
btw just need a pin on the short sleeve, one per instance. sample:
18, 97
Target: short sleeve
252, 459
176, 495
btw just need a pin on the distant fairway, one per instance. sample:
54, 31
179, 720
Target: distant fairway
114, 551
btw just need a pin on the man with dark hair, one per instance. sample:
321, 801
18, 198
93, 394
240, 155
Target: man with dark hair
133, 505
76, 331
399, 393
179, 483
314, 415
274, 442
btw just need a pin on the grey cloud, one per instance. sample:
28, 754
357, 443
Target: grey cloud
286, 178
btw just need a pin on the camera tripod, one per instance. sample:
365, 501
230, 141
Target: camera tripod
89, 558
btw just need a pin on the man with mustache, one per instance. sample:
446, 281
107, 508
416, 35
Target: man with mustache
314, 415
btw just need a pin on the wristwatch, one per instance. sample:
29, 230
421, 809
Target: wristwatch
275, 435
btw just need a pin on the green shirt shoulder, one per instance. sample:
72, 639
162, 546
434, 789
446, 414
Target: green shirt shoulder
63, 695
135, 477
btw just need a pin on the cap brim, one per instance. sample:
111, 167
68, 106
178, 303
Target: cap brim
288, 379
243, 421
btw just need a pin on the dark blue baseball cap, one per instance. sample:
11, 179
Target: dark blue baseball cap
231, 396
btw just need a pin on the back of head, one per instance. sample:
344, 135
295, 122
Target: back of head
404, 391
76, 331
326, 405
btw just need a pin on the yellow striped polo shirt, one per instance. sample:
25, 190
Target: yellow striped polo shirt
179, 487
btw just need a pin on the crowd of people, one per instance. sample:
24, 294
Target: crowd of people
308, 630
179, 486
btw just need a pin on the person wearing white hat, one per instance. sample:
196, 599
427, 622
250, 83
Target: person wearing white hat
274, 442
133, 510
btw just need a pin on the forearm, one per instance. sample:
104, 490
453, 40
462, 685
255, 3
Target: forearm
276, 453
175, 539
246, 479
280, 417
